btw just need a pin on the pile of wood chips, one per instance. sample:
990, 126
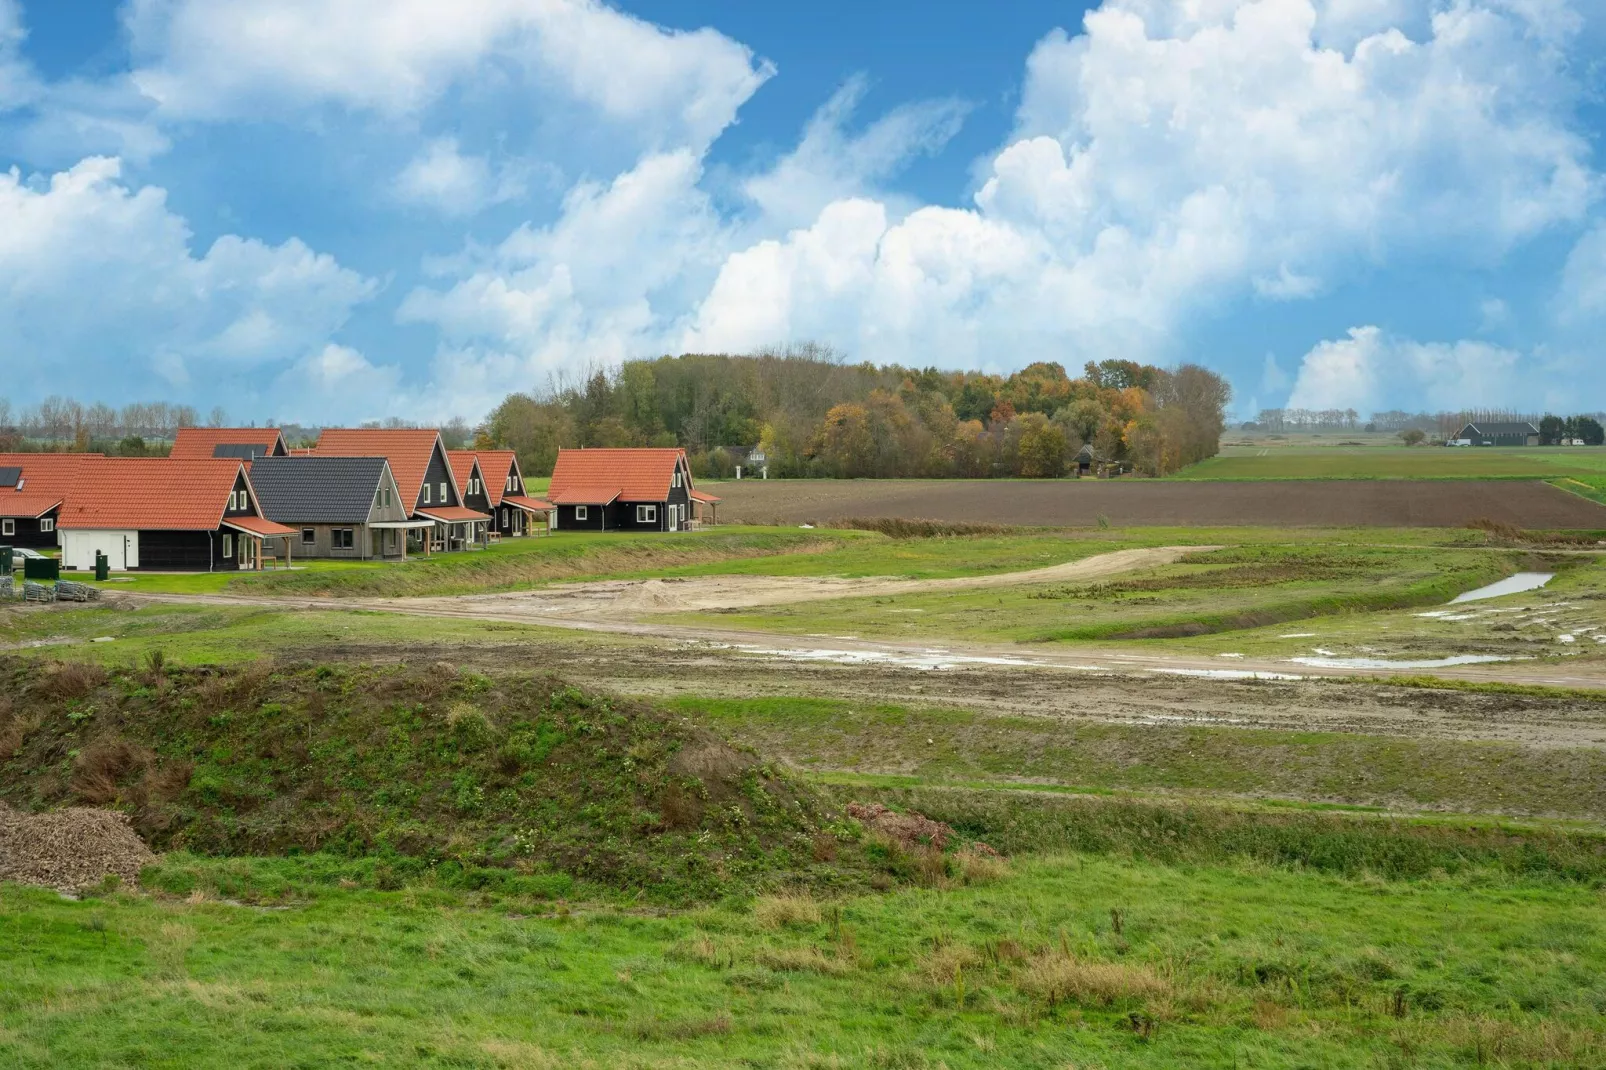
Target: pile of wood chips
69, 849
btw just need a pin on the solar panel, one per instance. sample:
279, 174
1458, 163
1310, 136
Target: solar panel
243, 451
10, 477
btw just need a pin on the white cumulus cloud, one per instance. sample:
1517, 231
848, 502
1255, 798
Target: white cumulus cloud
443, 178
91, 269
217, 59
1172, 158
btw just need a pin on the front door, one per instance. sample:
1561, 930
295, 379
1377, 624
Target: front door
248, 552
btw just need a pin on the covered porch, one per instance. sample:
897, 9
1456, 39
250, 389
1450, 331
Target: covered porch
255, 537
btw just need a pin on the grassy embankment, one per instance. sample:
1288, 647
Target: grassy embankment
1122, 933
1116, 938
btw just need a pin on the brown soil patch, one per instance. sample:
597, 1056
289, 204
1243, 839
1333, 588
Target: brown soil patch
69, 849
1152, 503
910, 830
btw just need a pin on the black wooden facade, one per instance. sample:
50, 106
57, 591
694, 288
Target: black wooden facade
671, 514
32, 532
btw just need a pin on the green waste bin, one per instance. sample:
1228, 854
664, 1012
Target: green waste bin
5, 560
41, 568
103, 566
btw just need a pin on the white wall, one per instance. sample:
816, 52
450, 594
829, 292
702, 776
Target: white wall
78, 547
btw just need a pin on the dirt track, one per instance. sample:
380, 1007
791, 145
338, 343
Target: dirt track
1153, 503
628, 599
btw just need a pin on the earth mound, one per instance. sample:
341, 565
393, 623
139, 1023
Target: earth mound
422, 765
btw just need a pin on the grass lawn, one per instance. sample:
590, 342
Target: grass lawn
1270, 460
1064, 960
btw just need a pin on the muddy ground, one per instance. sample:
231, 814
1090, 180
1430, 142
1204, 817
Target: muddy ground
659, 669
1150, 503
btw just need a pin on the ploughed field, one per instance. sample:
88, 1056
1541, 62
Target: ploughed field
1147, 503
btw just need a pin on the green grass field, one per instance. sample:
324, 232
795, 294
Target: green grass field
1174, 895
1306, 461
1079, 959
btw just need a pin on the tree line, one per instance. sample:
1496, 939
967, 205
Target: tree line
810, 414
146, 429
1444, 424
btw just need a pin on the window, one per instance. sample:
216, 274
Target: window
579, 512
47, 524
308, 536
646, 514
8, 527
444, 497
507, 485
228, 547
426, 493
342, 538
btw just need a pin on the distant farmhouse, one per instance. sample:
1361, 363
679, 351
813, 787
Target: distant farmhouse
624, 490
1490, 434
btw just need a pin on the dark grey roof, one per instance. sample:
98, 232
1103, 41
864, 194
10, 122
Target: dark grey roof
245, 451
316, 489
1503, 429
10, 476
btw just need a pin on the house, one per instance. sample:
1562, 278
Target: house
340, 507
1499, 434
1084, 460
163, 514
493, 483
621, 490
242, 443
424, 479
32, 489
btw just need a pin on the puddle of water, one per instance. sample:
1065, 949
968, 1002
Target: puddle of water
1230, 674
1566, 639
1298, 635
1229, 655
932, 659
1385, 663
1522, 581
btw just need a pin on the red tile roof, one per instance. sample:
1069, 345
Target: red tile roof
44, 475
529, 505
462, 462
451, 514
634, 475
700, 496
26, 505
495, 467
407, 449
257, 525
197, 443
584, 496
150, 493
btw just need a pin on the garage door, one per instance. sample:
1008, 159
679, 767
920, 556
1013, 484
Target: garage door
78, 549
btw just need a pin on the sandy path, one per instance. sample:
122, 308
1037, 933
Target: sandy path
629, 599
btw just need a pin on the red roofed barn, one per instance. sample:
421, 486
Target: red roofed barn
621, 490
163, 514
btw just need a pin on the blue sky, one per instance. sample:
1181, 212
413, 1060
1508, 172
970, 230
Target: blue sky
334, 210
